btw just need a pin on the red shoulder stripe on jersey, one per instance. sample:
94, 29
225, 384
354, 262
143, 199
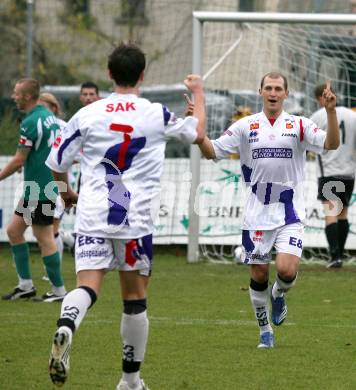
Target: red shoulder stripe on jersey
121, 128
301, 135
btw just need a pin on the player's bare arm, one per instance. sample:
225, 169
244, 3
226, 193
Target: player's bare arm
206, 146
207, 149
195, 84
16, 163
332, 140
69, 196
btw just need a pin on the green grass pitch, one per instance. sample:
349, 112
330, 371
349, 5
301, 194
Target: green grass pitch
203, 335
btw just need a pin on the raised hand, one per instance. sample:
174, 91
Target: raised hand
194, 83
329, 97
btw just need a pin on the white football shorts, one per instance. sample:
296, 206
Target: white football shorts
114, 254
257, 245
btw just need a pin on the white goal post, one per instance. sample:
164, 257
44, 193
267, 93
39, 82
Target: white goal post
315, 21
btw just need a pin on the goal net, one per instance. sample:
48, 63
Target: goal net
236, 51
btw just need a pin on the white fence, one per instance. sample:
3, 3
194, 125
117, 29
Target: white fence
220, 199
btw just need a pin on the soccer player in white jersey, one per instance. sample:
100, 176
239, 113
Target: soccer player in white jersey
336, 177
272, 146
123, 139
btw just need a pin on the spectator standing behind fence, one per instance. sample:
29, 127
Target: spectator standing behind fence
89, 93
123, 138
272, 146
337, 177
38, 131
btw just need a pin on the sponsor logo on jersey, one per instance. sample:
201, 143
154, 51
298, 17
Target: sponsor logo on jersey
254, 126
272, 153
289, 135
258, 236
92, 253
257, 256
86, 240
253, 136
289, 125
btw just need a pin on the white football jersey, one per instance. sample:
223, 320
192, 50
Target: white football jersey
62, 124
339, 162
272, 164
123, 139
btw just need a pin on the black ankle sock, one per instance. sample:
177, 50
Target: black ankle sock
343, 227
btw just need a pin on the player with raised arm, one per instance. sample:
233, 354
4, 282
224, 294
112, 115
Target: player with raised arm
123, 139
336, 178
272, 146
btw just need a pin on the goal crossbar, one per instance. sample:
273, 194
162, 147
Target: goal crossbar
273, 17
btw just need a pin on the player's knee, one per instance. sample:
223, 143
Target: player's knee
136, 306
259, 273
13, 234
287, 274
46, 243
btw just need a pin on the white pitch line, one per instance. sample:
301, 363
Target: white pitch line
94, 320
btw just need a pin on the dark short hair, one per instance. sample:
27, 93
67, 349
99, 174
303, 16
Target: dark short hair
89, 84
275, 75
319, 89
126, 63
30, 86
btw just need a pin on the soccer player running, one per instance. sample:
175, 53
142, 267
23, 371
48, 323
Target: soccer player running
337, 178
123, 139
272, 146
36, 207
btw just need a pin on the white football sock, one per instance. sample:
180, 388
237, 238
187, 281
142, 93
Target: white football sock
280, 286
59, 291
260, 305
134, 333
25, 284
75, 305
59, 243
